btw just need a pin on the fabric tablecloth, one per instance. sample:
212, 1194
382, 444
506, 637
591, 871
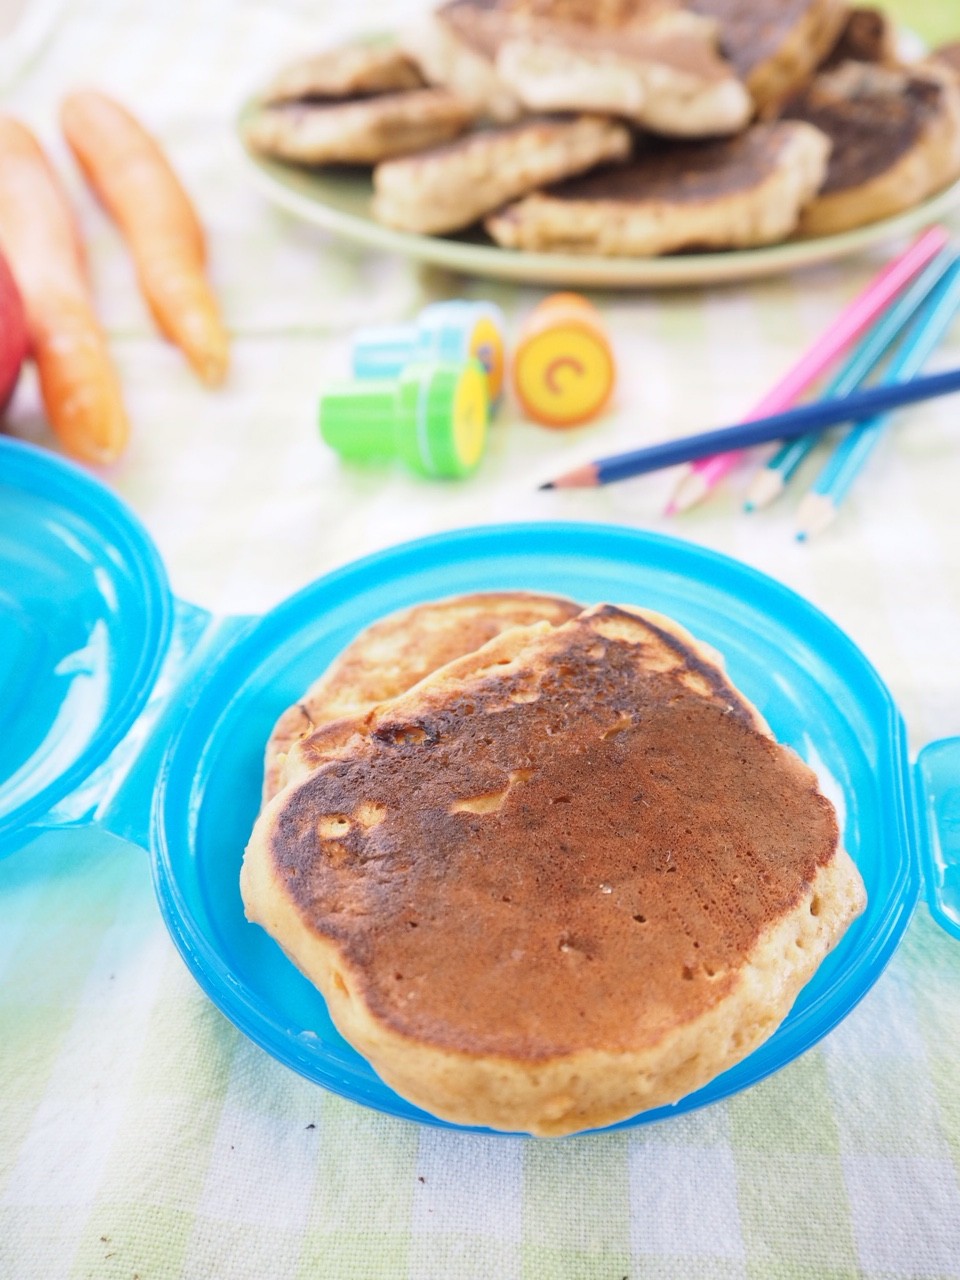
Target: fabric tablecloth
141, 1135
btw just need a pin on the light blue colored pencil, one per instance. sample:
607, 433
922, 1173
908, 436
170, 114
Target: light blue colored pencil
930, 324
773, 477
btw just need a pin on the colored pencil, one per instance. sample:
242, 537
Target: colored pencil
742, 435
819, 507
846, 328
773, 477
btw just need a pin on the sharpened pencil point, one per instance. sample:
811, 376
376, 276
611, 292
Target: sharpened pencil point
584, 477
814, 514
547, 484
693, 488
766, 486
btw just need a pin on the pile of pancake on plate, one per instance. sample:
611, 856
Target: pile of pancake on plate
547, 865
627, 127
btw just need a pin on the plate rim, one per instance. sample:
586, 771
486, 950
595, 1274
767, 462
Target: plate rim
215, 976
588, 270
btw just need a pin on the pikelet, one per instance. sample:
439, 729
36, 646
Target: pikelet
652, 62
362, 130
565, 878
725, 193
895, 139
393, 654
451, 186
345, 71
775, 45
354, 103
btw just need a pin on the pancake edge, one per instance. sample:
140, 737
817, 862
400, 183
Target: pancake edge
930, 165
587, 1089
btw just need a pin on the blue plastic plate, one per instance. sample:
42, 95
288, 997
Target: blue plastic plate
86, 621
814, 687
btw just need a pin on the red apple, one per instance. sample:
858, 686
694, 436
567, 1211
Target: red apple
13, 333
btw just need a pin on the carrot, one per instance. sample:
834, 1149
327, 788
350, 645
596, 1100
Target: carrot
40, 239
134, 181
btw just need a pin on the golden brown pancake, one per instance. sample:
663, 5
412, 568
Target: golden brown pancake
729, 193
947, 57
452, 186
564, 879
448, 58
895, 135
391, 655
362, 130
348, 71
649, 61
774, 45
867, 35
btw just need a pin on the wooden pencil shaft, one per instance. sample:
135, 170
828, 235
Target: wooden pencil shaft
868, 355
925, 335
851, 321
889, 327
844, 329
846, 464
782, 426
790, 454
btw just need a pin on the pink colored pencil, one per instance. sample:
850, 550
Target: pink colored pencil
849, 324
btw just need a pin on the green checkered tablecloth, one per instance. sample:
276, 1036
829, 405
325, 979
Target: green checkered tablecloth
141, 1136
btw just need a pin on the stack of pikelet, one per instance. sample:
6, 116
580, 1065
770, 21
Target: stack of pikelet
546, 864
627, 127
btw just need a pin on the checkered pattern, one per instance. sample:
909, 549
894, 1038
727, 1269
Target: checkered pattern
140, 1134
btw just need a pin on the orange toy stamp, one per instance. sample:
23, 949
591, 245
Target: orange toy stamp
563, 364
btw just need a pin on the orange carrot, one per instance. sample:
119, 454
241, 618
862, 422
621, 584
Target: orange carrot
38, 235
134, 180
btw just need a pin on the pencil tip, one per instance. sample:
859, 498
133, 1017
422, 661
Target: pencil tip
764, 488
814, 514
547, 484
693, 488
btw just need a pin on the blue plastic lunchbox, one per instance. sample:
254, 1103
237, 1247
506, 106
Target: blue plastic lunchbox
129, 709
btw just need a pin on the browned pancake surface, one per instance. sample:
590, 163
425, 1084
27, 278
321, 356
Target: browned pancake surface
343, 73
872, 115
684, 172
356, 130
948, 55
867, 36
752, 31
578, 854
774, 45
396, 652
452, 186
627, 27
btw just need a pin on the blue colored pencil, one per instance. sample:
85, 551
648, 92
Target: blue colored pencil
931, 323
773, 477
742, 435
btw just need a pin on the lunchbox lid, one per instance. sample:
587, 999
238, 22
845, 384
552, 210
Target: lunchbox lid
937, 780
85, 620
